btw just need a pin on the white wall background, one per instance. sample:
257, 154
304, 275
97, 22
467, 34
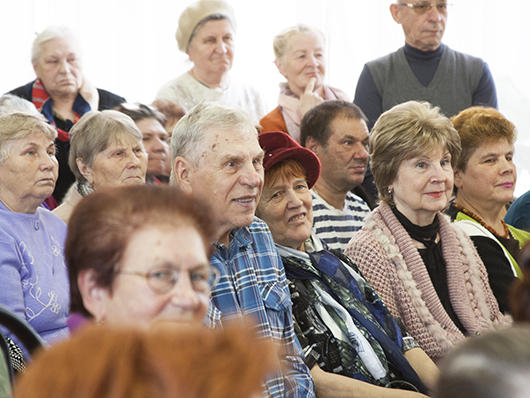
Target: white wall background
129, 46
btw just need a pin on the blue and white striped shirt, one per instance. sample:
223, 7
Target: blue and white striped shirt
336, 227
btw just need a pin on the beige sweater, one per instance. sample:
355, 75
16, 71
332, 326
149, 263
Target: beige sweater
389, 260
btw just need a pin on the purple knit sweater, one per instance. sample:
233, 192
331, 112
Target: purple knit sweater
389, 260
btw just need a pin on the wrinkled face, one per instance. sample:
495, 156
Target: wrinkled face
132, 301
229, 177
345, 157
212, 48
286, 208
155, 140
489, 177
304, 58
422, 31
29, 173
123, 162
59, 67
423, 186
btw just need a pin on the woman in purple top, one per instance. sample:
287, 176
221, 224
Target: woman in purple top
34, 280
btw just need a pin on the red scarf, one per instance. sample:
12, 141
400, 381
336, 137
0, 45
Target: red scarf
40, 98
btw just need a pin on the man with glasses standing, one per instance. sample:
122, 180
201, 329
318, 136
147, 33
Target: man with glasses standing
424, 69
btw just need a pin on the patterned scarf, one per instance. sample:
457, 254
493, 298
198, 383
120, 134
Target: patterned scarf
44, 104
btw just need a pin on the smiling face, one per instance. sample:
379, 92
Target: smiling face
59, 67
286, 207
28, 175
212, 48
489, 177
304, 58
423, 186
155, 140
423, 32
133, 302
345, 157
123, 162
229, 177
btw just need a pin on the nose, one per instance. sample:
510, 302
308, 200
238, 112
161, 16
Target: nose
439, 175
183, 295
133, 159
434, 14
251, 177
293, 200
65, 66
313, 61
221, 47
47, 162
160, 146
360, 153
507, 167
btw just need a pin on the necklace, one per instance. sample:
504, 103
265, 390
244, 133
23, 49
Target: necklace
507, 233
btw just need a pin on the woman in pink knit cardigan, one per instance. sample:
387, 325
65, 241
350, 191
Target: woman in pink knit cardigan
425, 269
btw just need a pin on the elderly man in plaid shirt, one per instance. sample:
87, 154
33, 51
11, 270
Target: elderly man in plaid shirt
217, 159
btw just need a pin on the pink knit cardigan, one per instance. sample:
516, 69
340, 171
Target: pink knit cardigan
389, 260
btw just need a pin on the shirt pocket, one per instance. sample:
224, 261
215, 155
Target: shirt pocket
275, 297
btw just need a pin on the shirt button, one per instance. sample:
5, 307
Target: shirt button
37, 225
444, 326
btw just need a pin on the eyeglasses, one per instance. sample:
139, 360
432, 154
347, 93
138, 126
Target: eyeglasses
423, 7
161, 279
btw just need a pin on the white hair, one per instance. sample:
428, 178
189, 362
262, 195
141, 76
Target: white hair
50, 33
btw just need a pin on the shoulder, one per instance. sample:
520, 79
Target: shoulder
356, 203
385, 59
462, 58
23, 91
51, 220
108, 100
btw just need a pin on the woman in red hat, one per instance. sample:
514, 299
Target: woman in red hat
350, 340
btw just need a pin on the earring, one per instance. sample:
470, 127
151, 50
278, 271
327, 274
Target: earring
389, 191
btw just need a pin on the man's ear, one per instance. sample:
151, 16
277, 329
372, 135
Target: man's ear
85, 170
94, 296
183, 172
313, 145
395, 10
458, 178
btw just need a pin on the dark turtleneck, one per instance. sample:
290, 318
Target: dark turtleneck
423, 63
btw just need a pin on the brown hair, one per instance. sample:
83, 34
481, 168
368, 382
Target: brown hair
478, 125
167, 361
404, 132
103, 222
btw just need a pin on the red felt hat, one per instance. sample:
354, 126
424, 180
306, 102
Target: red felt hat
279, 146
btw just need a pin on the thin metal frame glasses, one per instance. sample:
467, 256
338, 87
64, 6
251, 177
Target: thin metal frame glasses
161, 279
423, 7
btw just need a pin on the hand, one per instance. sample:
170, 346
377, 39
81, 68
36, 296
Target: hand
309, 98
90, 93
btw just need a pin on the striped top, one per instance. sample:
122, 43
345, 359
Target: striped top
336, 227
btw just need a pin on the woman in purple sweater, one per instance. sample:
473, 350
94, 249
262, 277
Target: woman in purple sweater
34, 280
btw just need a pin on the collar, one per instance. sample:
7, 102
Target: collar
415, 53
239, 237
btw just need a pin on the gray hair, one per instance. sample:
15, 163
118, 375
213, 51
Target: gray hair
279, 44
18, 125
94, 132
190, 133
10, 103
50, 33
496, 364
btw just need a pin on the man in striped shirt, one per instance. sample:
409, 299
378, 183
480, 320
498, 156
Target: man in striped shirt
336, 132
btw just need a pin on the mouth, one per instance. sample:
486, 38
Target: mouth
298, 217
245, 200
506, 185
435, 195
